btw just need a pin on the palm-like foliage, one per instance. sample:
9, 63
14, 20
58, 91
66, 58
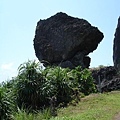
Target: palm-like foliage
58, 83
29, 85
84, 80
7, 100
29, 70
35, 87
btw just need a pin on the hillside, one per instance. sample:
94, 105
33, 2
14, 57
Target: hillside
93, 107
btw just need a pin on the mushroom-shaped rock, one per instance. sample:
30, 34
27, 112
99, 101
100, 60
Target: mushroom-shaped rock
66, 41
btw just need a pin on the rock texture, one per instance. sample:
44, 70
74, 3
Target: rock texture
66, 41
116, 47
108, 86
103, 73
106, 79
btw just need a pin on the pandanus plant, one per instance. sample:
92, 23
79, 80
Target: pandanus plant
29, 85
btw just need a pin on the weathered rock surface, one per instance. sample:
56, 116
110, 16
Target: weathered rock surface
116, 47
103, 73
66, 41
108, 86
106, 78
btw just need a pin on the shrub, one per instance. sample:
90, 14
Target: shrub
29, 85
58, 84
35, 87
7, 100
84, 80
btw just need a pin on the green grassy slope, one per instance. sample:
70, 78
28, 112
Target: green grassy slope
93, 107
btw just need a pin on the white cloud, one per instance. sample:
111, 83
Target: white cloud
7, 66
7, 71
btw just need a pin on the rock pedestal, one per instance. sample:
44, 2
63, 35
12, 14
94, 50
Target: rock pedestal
66, 41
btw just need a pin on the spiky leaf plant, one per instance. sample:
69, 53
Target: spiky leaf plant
7, 100
29, 85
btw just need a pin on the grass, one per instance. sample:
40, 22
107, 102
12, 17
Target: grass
23, 115
93, 107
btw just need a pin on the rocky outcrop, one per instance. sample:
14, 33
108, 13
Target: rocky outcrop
102, 73
106, 79
108, 86
66, 41
116, 47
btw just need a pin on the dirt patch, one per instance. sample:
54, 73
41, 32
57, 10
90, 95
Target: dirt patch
117, 117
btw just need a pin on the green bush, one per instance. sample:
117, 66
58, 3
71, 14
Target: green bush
84, 80
29, 86
7, 100
58, 83
34, 87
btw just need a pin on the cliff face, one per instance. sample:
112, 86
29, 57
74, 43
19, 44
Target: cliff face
65, 41
116, 47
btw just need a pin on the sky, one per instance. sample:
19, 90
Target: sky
18, 20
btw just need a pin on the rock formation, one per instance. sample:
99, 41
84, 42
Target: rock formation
66, 41
112, 85
103, 73
106, 79
116, 47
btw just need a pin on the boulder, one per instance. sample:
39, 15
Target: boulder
116, 47
65, 41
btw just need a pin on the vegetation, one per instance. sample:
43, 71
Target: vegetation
7, 100
29, 95
93, 107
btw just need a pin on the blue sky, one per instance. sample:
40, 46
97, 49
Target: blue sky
18, 20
